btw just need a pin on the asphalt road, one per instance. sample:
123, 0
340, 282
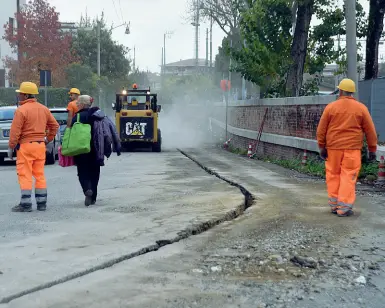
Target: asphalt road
143, 198
55, 259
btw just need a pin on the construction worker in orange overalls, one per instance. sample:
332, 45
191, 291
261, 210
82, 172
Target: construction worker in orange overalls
340, 140
28, 137
72, 107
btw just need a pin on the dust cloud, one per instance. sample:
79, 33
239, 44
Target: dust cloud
185, 125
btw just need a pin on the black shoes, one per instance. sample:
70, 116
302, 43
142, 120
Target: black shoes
88, 200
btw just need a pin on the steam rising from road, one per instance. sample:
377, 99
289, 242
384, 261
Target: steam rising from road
185, 125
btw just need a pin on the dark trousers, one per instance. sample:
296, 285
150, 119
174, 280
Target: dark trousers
88, 173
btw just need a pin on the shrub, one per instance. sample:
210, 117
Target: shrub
56, 97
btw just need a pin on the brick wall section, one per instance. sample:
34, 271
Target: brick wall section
296, 121
288, 120
267, 149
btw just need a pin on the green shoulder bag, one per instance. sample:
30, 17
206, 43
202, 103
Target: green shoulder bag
77, 139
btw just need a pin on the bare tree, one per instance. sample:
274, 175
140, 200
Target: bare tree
225, 13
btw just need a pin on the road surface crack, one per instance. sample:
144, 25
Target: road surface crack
183, 234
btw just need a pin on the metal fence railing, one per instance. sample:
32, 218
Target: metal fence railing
372, 94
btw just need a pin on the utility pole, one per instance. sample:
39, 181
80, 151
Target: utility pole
164, 49
162, 64
17, 25
197, 36
211, 42
228, 92
196, 25
351, 41
98, 34
243, 79
134, 58
98, 60
168, 33
207, 47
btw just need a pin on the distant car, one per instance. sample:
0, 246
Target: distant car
6, 117
60, 114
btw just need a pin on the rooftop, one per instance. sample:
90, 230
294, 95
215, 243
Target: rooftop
187, 63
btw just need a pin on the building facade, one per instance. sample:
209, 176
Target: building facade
7, 14
187, 67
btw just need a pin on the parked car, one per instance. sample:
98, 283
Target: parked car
6, 117
60, 114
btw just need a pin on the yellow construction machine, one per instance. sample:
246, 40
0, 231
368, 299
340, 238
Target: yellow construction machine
136, 117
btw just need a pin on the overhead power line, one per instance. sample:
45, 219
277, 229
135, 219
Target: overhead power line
116, 11
121, 11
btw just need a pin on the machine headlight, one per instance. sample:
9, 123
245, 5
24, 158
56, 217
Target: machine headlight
124, 92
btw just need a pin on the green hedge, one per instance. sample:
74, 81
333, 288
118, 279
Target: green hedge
56, 97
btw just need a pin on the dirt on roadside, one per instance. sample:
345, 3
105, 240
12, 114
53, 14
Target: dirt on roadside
289, 246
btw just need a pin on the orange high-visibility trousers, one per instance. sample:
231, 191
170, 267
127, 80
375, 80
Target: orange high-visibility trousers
342, 169
30, 162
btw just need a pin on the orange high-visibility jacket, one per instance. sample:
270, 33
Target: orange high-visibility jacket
73, 107
31, 122
343, 124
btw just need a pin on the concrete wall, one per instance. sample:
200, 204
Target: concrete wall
289, 128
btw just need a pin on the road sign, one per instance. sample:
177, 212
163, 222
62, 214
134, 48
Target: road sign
225, 85
45, 81
45, 78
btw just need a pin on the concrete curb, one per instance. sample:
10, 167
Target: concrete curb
287, 141
183, 234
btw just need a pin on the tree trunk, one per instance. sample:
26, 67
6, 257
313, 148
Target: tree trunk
375, 27
299, 47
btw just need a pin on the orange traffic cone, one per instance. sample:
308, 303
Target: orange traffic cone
226, 144
304, 158
250, 151
381, 170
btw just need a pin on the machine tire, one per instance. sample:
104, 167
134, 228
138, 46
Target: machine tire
2, 160
50, 159
157, 146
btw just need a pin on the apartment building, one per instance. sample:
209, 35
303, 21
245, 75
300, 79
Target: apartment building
7, 14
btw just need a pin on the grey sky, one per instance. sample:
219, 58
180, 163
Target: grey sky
150, 19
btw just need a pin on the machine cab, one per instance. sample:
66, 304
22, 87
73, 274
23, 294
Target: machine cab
136, 100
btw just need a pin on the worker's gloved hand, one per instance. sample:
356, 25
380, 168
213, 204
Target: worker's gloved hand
323, 153
372, 156
10, 153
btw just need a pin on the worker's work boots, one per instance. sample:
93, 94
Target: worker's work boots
41, 198
344, 211
25, 204
22, 208
42, 206
333, 209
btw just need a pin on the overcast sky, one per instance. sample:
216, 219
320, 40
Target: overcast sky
150, 19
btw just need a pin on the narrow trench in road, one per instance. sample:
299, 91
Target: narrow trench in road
183, 234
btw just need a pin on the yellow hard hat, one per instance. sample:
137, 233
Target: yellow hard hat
74, 91
28, 88
347, 85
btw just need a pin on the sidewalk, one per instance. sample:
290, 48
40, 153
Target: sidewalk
287, 250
